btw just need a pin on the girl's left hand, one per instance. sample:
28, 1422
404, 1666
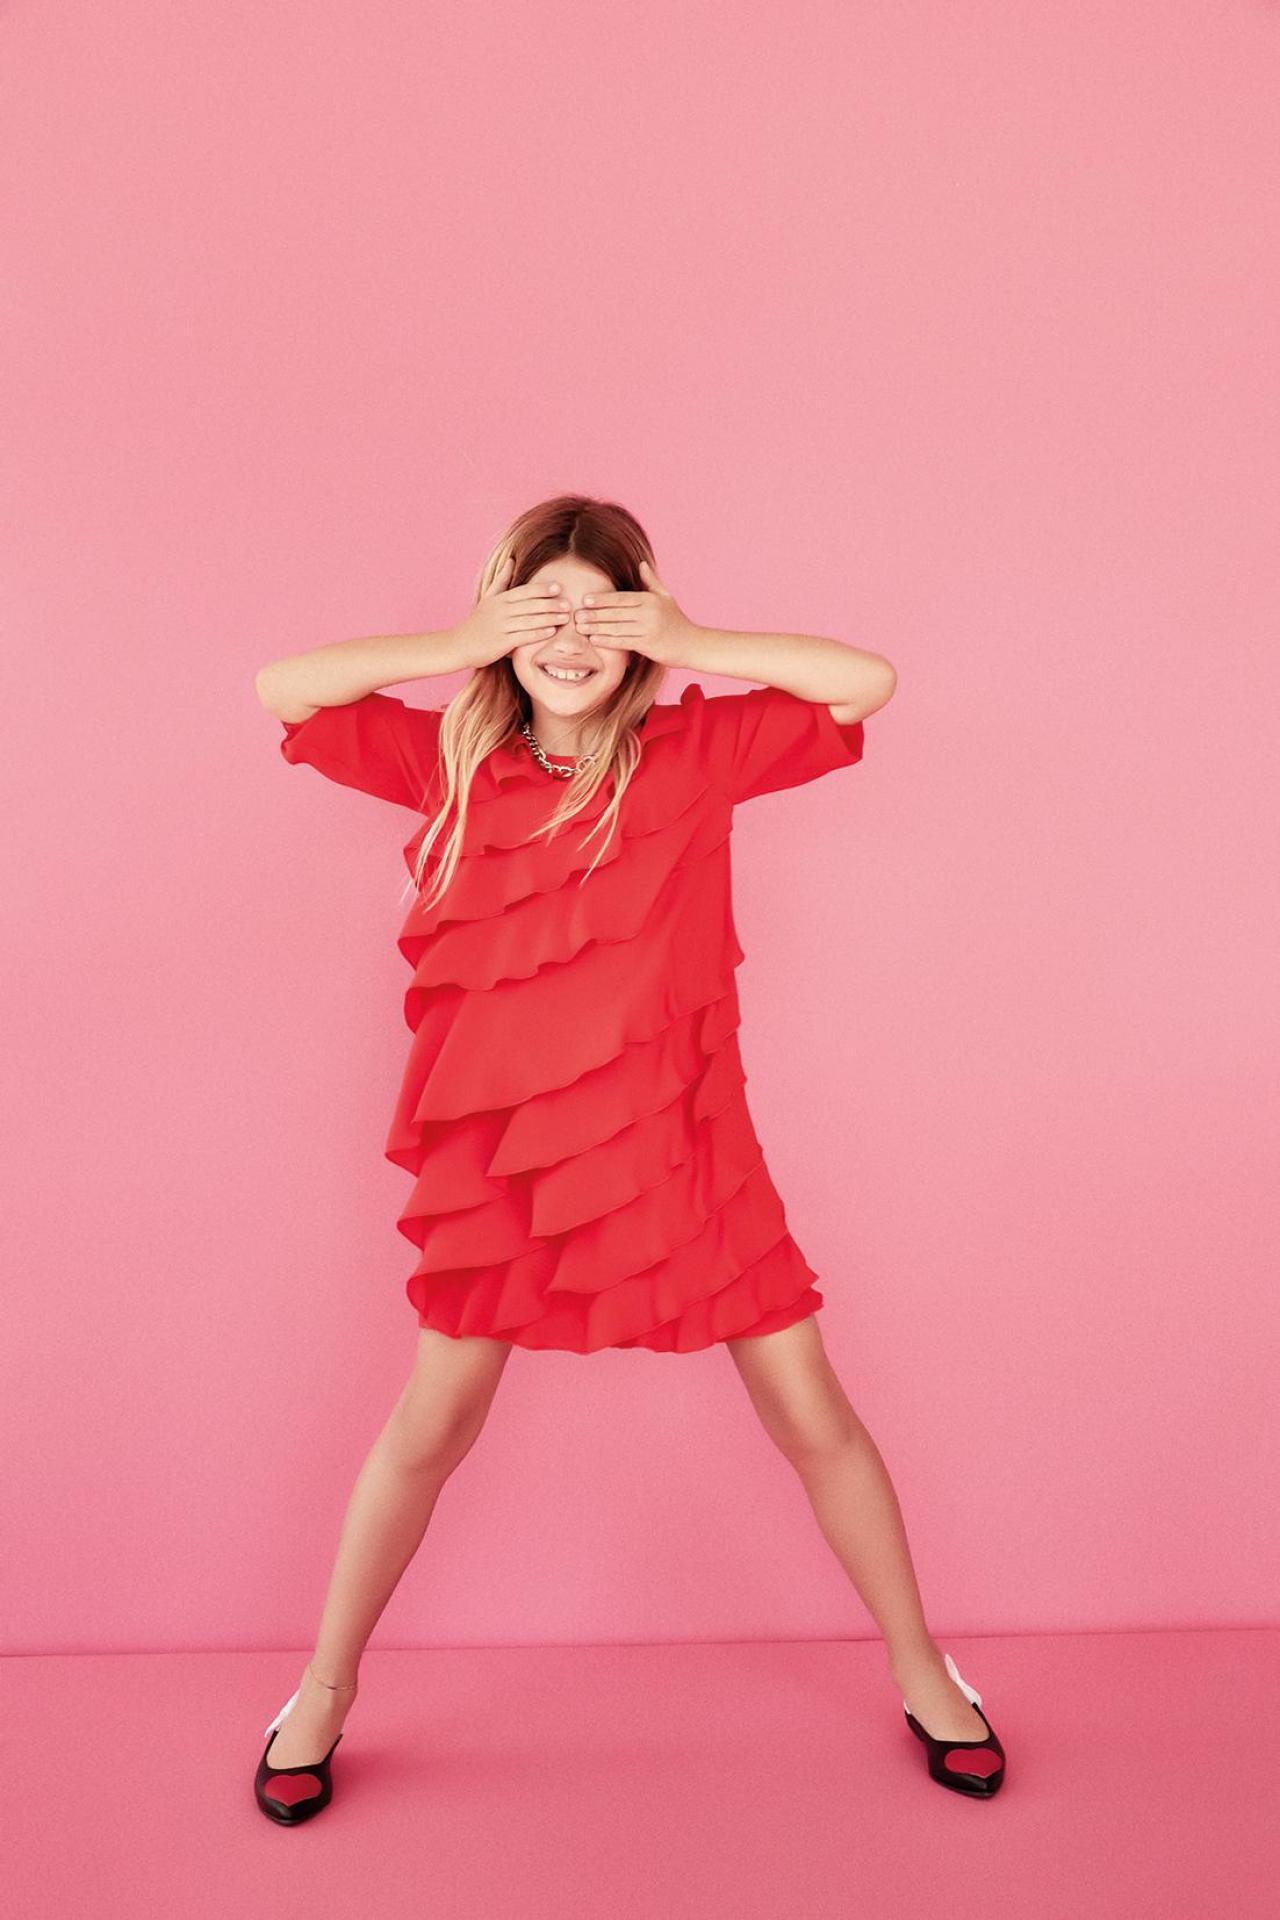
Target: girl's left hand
649, 622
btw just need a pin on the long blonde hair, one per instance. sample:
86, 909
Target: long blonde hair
493, 704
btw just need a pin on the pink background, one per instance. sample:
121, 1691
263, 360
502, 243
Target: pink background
947, 330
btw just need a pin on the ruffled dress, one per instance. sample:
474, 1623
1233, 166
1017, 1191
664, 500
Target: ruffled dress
573, 1110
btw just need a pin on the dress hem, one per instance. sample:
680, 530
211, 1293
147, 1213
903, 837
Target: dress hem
811, 1301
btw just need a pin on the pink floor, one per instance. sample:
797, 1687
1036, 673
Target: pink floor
738, 1780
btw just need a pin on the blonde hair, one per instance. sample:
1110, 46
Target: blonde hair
492, 705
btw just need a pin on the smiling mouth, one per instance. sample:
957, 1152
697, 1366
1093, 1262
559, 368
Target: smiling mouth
567, 676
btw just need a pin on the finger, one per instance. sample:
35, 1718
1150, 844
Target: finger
535, 621
650, 573
532, 588
617, 633
541, 602
541, 607
597, 601
609, 616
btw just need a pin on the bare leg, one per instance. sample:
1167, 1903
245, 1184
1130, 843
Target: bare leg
806, 1412
433, 1425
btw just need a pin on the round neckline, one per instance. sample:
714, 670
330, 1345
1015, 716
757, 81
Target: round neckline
512, 760
556, 759
571, 759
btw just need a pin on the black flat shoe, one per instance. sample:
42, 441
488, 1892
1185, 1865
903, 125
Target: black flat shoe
961, 1778
296, 1793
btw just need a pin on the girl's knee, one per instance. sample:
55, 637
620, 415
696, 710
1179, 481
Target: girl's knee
442, 1408
810, 1434
797, 1394
425, 1436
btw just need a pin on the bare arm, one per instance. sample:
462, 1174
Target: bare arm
853, 683
294, 687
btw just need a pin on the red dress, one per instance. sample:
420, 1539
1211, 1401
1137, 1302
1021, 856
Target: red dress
573, 1111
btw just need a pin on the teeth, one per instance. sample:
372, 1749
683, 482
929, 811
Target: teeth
568, 673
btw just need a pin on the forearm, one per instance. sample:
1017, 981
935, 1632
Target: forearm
811, 667
345, 670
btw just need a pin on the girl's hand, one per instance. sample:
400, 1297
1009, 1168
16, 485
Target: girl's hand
506, 617
649, 623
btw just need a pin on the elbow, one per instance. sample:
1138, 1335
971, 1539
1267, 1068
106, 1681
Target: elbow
885, 684
876, 686
262, 680
271, 687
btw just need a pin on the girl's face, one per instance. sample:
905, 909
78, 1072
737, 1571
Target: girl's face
590, 670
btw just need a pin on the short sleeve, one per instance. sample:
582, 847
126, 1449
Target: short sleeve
377, 744
765, 739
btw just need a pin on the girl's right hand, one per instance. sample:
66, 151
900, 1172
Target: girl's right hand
506, 617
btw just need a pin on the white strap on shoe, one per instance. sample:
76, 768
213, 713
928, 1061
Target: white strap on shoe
284, 1709
970, 1693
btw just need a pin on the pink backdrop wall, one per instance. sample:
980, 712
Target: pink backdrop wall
946, 330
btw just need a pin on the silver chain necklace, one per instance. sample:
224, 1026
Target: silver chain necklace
561, 773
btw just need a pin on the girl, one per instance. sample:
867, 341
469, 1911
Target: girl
586, 1174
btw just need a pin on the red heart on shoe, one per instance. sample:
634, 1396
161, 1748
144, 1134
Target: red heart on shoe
979, 1760
292, 1787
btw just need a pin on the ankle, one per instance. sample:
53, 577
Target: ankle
922, 1656
339, 1685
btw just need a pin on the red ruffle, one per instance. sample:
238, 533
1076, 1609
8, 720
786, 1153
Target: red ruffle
573, 1110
